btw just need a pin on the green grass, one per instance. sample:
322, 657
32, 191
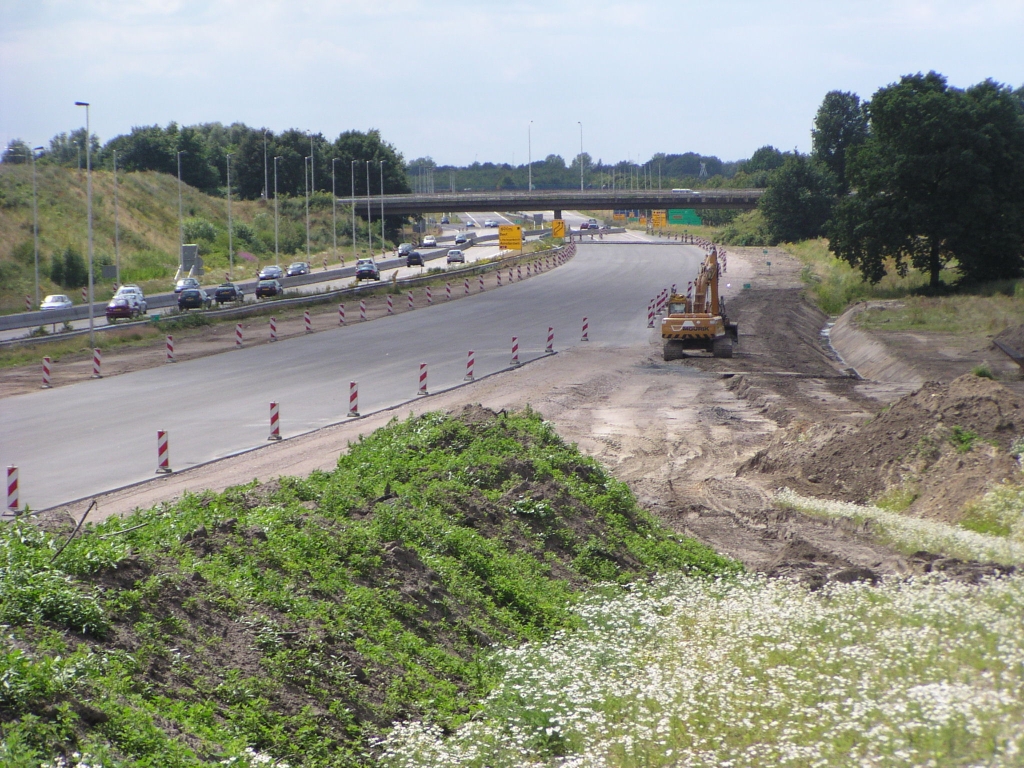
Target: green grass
299, 619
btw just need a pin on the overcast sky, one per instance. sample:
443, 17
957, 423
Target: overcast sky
460, 80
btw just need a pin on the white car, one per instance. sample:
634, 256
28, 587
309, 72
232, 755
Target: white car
491, 223
133, 293
56, 301
456, 255
429, 241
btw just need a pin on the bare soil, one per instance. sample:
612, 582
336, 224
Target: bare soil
704, 442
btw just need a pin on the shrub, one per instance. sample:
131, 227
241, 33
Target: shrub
69, 269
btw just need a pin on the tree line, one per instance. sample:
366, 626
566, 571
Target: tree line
922, 176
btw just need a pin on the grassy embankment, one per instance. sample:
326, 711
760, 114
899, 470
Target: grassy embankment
299, 619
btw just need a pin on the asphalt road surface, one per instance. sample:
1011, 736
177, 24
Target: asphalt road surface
76, 441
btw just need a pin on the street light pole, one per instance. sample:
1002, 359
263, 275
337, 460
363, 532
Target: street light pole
529, 155
382, 207
310, 159
277, 252
334, 207
117, 234
369, 210
581, 155
231, 253
352, 169
266, 178
88, 191
312, 175
181, 220
35, 220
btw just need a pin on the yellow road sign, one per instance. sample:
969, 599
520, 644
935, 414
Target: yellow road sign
558, 228
510, 237
659, 218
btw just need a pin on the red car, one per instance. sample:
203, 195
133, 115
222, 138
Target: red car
122, 308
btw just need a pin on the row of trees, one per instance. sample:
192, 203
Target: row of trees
923, 176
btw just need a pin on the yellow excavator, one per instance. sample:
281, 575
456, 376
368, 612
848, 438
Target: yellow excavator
699, 321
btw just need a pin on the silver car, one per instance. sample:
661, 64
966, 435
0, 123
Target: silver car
456, 255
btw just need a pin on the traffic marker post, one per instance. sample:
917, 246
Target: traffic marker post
238, 336
465, 286
430, 297
28, 303
97, 364
85, 295
481, 282
391, 305
309, 323
650, 315
353, 399
447, 291
362, 310
341, 314
273, 329
527, 269
550, 348
275, 423
170, 349
515, 351
163, 453
46, 373
410, 300
12, 489
519, 271
510, 275
423, 380
469, 367
498, 273
585, 329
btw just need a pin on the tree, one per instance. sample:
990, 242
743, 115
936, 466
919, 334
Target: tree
68, 268
939, 181
798, 200
767, 158
16, 152
841, 123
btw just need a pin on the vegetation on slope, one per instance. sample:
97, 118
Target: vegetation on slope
300, 618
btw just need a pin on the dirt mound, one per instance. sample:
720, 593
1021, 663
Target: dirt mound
964, 429
1012, 337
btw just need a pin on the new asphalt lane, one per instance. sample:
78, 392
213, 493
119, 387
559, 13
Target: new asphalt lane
75, 441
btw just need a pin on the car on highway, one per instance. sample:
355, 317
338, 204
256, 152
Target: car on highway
405, 249
186, 282
228, 292
366, 269
455, 254
585, 225
429, 241
271, 272
445, 220
414, 259
268, 289
297, 268
593, 223
491, 223
194, 298
685, 191
135, 294
462, 238
123, 307
56, 301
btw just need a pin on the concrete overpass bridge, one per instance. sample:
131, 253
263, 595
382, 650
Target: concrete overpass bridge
558, 200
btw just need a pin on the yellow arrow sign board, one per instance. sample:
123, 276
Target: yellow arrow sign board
658, 218
558, 228
510, 237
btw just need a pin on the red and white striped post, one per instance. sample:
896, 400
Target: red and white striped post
275, 423
447, 291
519, 271
410, 300
550, 348
391, 305
430, 296
12, 489
362, 310
341, 314
46, 373
515, 351
353, 399
469, 367
527, 269
498, 272
85, 296
97, 364
163, 453
273, 329
238, 336
510, 275
586, 327
465, 286
170, 349
650, 314
28, 303
309, 323
423, 380
481, 282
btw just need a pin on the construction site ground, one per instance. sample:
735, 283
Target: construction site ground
705, 442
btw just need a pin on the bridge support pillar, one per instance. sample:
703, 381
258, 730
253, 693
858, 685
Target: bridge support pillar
558, 214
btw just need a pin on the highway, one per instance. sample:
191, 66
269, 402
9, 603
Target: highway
75, 441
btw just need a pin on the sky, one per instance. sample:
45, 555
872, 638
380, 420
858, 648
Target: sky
461, 80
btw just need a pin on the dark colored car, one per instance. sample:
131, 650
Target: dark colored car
122, 308
445, 220
366, 269
414, 258
461, 238
585, 225
266, 289
298, 268
271, 272
193, 298
228, 292
186, 282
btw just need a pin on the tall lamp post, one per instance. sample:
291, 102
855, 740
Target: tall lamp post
117, 233
307, 166
277, 252
181, 219
88, 192
529, 155
382, 207
266, 178
35, 220
231, 252
334, 207
352, 169
369, 210
581, 155
312, 178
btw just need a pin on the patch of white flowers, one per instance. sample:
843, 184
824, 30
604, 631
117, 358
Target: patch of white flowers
911, 533
753, 672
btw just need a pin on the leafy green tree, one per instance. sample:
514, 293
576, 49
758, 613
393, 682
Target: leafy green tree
841, 123
939, 182
68, 268
798, 200
17, 151
767, 158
